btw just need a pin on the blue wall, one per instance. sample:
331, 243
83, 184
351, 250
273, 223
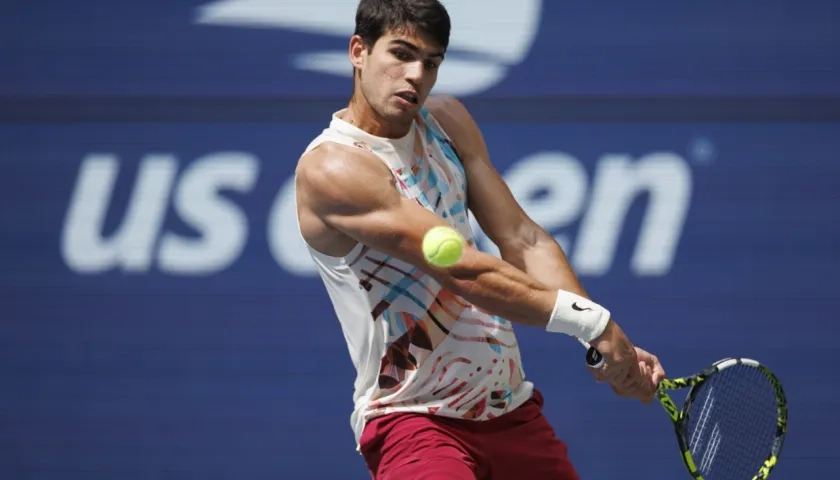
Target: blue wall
157, 319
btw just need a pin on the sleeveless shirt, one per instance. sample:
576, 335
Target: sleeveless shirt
418, 347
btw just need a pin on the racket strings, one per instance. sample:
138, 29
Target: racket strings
732, 424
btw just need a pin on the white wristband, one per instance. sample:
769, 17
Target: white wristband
577, 316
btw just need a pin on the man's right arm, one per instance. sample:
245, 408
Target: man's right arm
353, 192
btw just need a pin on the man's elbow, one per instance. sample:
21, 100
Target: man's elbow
525, 236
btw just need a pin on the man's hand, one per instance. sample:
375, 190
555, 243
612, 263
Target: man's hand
621, 367
651, 373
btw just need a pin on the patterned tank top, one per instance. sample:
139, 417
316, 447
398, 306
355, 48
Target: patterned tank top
416, 346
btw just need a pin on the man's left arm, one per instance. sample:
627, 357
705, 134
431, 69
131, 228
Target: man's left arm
521, 241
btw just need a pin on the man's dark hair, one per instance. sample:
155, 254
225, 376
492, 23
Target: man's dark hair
376, 17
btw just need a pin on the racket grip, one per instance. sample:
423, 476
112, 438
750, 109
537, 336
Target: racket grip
594, 358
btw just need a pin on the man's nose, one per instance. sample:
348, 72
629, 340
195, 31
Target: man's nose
414, 72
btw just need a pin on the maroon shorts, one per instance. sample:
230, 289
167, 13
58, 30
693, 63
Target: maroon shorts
518, 445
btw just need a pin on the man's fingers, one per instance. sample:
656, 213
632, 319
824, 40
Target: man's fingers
657, 377
629, 381
657, 373
633, 376
637, 383
635, 391
622, 376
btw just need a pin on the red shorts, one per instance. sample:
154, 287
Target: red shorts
518, 445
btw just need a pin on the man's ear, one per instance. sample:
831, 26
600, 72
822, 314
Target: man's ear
358, 51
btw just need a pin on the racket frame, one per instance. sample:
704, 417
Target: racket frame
680, 417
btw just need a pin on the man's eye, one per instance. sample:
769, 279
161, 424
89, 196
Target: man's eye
403, 56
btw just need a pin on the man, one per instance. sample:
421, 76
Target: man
440, 391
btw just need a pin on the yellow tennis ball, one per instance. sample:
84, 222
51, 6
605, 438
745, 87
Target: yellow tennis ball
443, 246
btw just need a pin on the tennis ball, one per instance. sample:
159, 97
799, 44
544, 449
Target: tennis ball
443, 246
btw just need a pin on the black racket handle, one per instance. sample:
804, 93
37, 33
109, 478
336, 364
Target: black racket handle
594, 358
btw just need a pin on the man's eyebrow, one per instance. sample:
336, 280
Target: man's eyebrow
415, 48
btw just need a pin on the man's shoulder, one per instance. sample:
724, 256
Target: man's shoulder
445, 106
328, 154
455, 120
333, 169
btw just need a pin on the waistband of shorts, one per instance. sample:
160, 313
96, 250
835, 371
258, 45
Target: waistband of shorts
527, 410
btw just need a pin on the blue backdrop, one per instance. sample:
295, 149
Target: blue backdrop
157, 316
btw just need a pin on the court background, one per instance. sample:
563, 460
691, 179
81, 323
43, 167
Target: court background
202, 346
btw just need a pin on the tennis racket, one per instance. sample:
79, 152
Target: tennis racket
733, 422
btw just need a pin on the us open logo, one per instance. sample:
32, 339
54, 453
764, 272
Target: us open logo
488, 38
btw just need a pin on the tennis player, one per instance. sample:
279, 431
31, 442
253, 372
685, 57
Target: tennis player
440, 391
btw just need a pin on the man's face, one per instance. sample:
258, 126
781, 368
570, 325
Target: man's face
398, 73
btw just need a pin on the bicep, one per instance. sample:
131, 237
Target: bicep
395, 226
360, 200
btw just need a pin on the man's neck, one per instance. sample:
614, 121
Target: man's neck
360, 114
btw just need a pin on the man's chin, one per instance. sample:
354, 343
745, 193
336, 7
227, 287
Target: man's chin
402, 114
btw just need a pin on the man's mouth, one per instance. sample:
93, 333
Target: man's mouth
408, 97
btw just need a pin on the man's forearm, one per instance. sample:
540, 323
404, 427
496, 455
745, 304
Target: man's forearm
544, 260
501, 289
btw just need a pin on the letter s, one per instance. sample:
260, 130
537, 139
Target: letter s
223, 226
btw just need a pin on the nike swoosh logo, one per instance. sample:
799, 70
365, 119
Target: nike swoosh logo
576, 307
